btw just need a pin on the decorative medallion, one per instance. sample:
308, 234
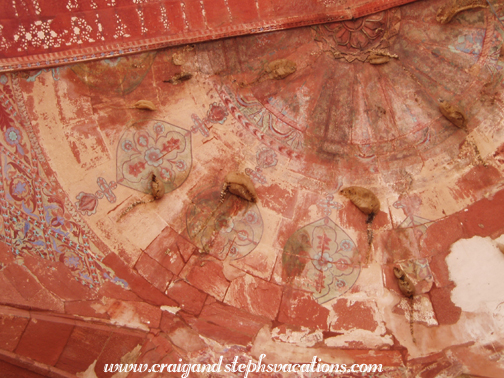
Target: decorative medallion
231, 228
357, 39
266, 158
87, 203
153, 147
321, 258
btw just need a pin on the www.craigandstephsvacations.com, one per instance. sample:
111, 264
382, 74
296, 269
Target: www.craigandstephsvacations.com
315, 366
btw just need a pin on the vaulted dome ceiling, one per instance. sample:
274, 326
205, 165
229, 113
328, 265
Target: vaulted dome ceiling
122, 240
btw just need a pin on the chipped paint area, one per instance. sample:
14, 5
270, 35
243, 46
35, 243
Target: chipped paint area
89, 372
304, 337
129, 358
170, 309
422, 310
121, 313
360, 338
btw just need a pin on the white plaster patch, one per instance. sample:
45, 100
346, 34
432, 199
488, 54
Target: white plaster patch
499, 316
476, 266
170, 309
279, 352
129, 358
121, 313
302, 338
367, 338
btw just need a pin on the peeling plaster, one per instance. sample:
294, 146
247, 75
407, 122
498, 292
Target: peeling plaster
278, 352
476, 266
89, 373
367, 338
129, 358
170, 309
304, 338
121, 313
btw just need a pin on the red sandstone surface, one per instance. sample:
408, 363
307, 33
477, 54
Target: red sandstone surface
86, 279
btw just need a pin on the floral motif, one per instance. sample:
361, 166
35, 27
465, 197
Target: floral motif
36, 219
39, 34
256, 175
358, 33
217, 113
86, 203
344, 265
106, 189
159, 128
181, 165
153, 157
322, 261
12, 136
224, 229
136, 169
199, 125
252, 217
224, 224
153, 147
243, 235
333, 268
127, 145
355, 39
72, 261
167, 174
346, 245
142, 140
20, 188
266, 158
327, 204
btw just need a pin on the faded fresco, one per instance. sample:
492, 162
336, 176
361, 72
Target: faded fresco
97, 269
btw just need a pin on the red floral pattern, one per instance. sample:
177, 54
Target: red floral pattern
171, 145
153, 147
313, 260
266, 158
217, 113
136, 169
86, 203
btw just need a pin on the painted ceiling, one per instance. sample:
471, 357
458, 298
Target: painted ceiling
40, 33
95, 271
